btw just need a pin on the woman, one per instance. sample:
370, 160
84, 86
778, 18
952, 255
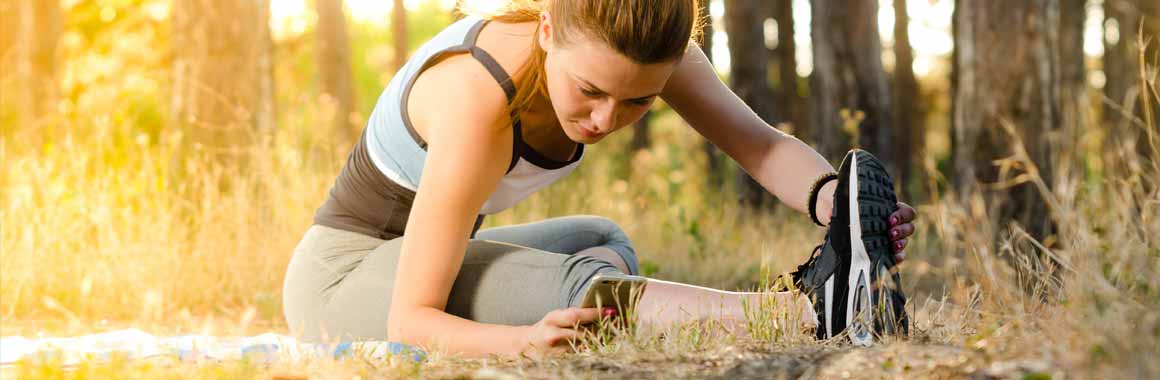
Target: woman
395, 254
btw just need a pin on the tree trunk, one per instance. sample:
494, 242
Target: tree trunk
1125, 97
223, 72
749, 76
1121, 65
10, 18
788, 102
848, 75
1008, 72
1075, 105
399, 32
334, 65
910, 146
640, 133
33, 56
713, 157
1149, 143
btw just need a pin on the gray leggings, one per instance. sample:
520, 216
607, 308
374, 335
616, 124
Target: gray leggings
338, 284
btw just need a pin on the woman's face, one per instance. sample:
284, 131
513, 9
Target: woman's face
594, 89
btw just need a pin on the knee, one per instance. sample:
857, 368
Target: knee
614, 238
606, 227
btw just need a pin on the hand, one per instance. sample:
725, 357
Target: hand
900, 229
554, 334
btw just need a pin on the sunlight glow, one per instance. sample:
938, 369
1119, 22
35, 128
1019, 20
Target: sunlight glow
721, 59
1093, 44
717, 9
929, 32
157, 10
371, 11
293, 17
290, 18
720, 53
801, 38
886, 23
484, 6
930, 26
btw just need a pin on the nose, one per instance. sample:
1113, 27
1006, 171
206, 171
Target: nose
604, 116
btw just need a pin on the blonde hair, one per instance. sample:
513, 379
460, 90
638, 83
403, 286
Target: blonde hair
644, 31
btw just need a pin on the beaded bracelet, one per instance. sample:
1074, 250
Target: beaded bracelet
814, 190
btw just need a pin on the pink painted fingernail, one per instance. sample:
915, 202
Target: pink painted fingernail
609, 312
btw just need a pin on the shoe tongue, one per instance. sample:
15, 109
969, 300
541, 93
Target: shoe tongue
825, 266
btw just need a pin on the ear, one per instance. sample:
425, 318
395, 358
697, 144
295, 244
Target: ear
544, 31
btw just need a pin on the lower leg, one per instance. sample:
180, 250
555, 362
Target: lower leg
665, 303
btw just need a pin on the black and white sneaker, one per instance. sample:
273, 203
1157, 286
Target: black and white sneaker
848, 277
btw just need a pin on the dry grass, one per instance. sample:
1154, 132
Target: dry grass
102, 230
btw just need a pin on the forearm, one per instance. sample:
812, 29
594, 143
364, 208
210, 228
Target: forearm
788, 168
436, 329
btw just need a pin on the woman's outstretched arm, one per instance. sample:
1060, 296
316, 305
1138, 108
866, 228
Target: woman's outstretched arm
781, 163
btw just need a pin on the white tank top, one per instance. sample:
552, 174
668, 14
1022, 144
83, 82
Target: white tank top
399, 152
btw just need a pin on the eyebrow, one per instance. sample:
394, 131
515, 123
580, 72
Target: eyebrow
597, 89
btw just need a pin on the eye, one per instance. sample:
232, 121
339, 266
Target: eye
641, 102
589, 92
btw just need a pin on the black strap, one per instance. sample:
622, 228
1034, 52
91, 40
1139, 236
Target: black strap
496, 71
520, 149
505, 81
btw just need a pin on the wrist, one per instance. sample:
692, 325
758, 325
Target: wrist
519, 341
825, 202
820, 200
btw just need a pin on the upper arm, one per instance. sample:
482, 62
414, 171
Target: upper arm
469, 148
703, 100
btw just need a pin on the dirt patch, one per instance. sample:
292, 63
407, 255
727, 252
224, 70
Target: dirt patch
894, 361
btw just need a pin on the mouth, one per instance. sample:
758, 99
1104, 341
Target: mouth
587, 132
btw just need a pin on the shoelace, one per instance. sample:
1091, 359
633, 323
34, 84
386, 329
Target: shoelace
797, 274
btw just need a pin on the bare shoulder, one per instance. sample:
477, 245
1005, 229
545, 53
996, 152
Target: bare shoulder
510, 44
456, 95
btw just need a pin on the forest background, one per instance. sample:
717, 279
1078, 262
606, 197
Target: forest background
161, 159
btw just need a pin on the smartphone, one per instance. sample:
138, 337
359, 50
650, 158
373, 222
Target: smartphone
614, 289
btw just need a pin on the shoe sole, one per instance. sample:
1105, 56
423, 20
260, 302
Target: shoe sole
869, 247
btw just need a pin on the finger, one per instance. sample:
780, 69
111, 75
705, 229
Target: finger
572, 316
899, 257
560, 317
899, 245
904, 214
901, 231
587, 315
563, 336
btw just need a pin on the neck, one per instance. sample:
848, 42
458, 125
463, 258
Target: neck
542, 130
